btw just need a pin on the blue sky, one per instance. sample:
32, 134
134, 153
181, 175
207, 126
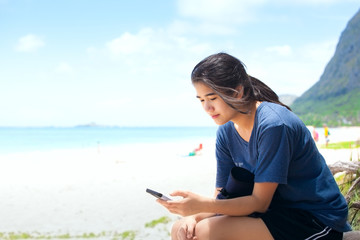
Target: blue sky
128, 63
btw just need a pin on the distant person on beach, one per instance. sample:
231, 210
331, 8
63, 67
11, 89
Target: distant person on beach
294, 194
196, 151
326, 134
315, 134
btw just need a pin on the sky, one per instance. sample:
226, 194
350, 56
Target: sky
128, 63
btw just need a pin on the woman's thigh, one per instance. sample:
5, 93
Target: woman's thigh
232, 228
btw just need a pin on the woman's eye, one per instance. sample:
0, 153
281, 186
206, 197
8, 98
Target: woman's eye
212, 99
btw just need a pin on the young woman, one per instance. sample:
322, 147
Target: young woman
294, 195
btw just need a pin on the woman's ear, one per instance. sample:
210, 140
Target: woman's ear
240, 92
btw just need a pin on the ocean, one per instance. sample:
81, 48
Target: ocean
25, 139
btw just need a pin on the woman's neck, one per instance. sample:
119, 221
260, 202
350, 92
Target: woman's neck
244, 123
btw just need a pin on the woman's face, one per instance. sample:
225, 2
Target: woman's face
214, 105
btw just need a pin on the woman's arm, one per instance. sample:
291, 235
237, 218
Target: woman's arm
259, 201
192, 203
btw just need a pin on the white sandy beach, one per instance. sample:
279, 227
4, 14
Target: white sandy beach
91, 191
97, 190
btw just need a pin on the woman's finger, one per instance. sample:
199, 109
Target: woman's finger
179, 194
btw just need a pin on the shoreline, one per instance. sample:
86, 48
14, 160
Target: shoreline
337, 134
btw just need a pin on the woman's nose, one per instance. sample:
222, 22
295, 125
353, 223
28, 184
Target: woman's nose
208, 107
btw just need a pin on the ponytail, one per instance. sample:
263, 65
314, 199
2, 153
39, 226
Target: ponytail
264, 93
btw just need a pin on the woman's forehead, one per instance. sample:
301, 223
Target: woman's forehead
202, 90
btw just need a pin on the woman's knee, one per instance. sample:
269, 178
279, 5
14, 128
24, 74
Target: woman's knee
174, 230
181, 229
202, 230
210, 228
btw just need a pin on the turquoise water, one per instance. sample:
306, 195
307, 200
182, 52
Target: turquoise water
17, 139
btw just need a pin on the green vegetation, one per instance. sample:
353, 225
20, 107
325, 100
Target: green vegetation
348, 183
343, 110
154, 223
341, 145
126, 235
345, 181
129, 235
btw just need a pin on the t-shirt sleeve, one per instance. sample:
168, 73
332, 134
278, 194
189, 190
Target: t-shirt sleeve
224, 160
274, 154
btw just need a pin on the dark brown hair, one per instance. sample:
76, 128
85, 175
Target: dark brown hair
226, 75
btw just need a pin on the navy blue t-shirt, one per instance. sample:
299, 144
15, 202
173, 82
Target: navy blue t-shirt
281, 150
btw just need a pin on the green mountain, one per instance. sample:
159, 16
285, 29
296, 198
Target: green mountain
335, 98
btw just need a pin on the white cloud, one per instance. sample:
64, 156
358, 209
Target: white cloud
217, 14
202, 28
300, 70
313, 2
321, 51
149, 49
129, 43
64, 67
233, 11
215, 17
284, 50
29, 43
91, 50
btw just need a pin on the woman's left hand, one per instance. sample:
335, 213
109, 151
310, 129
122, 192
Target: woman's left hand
189, 205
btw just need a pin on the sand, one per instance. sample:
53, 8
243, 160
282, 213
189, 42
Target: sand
103, 190
91, 191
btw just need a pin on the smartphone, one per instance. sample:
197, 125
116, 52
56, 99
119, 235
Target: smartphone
158, 195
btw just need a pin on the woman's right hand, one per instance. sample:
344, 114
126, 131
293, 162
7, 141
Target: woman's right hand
184, 229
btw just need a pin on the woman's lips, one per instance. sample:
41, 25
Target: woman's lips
215, 116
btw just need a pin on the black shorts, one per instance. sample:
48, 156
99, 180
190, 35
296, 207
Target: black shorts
297, 224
